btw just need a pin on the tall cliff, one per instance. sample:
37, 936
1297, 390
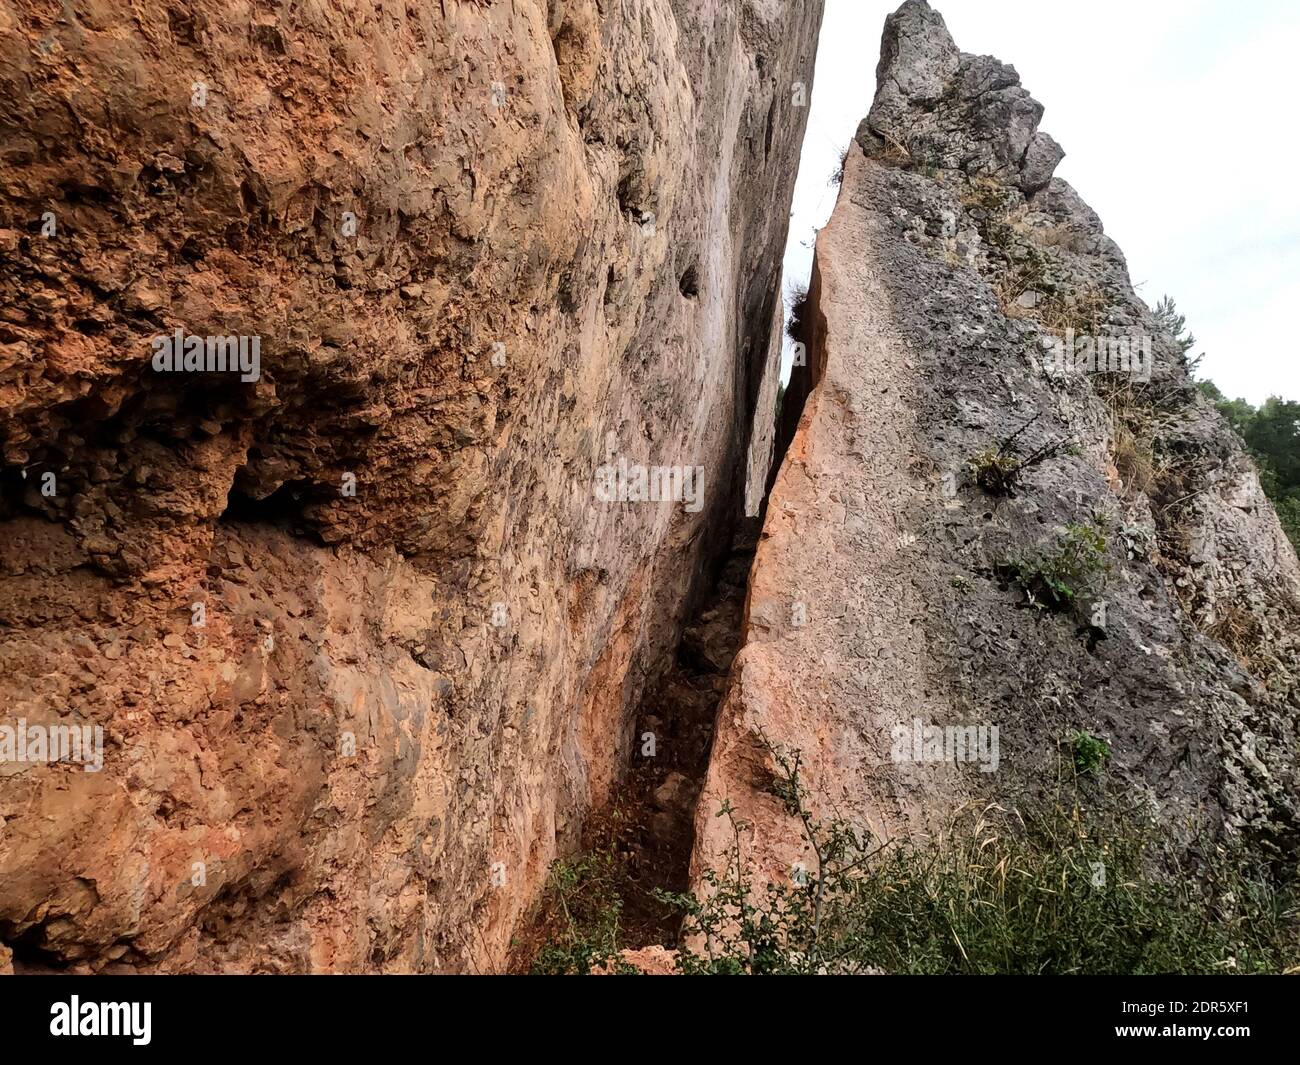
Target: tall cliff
977, 526
364, 645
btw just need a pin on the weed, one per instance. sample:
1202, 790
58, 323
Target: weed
1028, 273
1054, 891
998, 471
1241, 631
1083, 310
585, 902
798, 302
988, 195
1089, 753
1055, 580
895, 154
837, 175
995, 471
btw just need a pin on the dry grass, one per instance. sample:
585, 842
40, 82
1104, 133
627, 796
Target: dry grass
1137, 427
986, 193
1134, 461
1240, 631
895, 154
1084, 311
1015, 281
995, 471
1064, 237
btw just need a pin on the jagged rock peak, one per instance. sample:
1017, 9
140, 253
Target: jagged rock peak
888, 592
945, 108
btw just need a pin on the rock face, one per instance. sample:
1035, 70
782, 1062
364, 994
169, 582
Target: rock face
897, 582
364, 645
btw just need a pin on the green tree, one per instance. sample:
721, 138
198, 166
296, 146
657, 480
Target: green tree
1274, 434
1271, 433
1238, 412
1176, 325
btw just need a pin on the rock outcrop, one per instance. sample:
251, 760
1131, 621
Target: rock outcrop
898, 581
363, 643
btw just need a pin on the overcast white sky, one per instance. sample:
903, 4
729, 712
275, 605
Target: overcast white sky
1178, 118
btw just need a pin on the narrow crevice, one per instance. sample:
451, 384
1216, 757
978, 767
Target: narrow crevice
646, 831
807, 329
677, 718
671, 748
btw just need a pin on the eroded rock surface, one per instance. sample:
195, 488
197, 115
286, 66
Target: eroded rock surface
486, 247
884, 589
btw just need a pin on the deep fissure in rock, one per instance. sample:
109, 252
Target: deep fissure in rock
647, 828
650, 825
671, 747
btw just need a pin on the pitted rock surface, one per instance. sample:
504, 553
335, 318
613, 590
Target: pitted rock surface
881, 595
486, 247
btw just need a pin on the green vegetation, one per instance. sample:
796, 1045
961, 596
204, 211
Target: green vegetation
1056, 891
998, 471
995, 471
1175, 325
1272, 436
584, 903
1050, 895
1090, 753
1075, 567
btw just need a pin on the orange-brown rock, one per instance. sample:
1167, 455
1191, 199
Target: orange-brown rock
651, 961
485, 248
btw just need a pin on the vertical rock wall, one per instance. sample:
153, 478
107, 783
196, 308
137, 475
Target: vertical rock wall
884, 590
486, 247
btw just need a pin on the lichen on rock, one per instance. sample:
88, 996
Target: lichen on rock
960, 299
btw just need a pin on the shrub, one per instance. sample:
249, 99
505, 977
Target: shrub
798, 303
1055, 580
837, 175
583, 899
995, 471
998, 471
1052, 892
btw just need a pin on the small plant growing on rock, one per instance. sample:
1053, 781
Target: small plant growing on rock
988, 195
785, 928
1241, 631
837, 176
1056, 579
1083, 310
998, 470
1052, 889
895, 152
798, 303
995, 471
1090, 753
